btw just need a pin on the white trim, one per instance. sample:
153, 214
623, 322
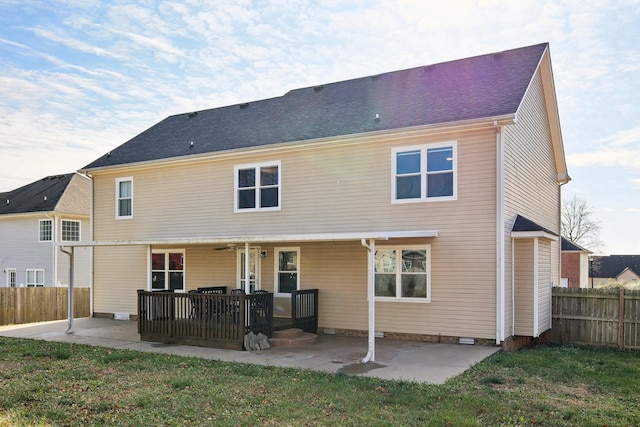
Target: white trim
378, 235
244, 269
536, 286
500, 239
423, 148
118, 181
276, 269
534, 234
257, 187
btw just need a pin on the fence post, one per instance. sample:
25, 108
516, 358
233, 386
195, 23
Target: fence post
621, 319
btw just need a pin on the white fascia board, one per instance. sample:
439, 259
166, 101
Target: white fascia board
534, 234
376, 235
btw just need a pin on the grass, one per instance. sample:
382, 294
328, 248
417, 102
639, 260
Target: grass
48, 383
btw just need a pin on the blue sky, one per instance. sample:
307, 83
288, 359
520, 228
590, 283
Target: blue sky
80, 77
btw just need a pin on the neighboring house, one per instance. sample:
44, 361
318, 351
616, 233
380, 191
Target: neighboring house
420, 173
34, 220
575, 265
615, 268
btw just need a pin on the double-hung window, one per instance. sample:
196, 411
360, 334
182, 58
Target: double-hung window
403, 273
167, 270
257, 187
287, 270
35, 278
424, 173
70, 231
124, 198
45, 230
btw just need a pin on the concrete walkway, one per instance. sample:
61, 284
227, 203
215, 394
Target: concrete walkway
395, 360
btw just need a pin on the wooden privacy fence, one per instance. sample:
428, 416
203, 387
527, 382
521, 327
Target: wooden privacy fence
601, 317
27, 305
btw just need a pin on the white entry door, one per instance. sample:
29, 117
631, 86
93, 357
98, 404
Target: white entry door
254, 270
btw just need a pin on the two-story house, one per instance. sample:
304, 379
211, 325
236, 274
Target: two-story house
35, 220
436, 189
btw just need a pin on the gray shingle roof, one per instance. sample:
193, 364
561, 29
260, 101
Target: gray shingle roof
484, 86
39, 196
570, 246
608, 267
524, 224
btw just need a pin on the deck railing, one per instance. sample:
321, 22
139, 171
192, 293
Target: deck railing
304, 310
203, 319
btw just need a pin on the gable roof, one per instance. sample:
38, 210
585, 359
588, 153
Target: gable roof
487, 87
609, 267
569, 246
39, 196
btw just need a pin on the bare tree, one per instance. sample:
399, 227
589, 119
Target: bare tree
578, 224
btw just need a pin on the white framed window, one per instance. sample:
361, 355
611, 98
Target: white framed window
70, 230
287, 270
12, 275
35, 277
424, 173
45, 233
403, 273
257, 187
124, 198
167, 270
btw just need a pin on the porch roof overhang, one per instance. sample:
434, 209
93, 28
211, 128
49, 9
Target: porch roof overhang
531, 234
271, 238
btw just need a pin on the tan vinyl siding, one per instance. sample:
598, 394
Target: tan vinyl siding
544, 285
333, 189
531, 188
119, 272
524, 286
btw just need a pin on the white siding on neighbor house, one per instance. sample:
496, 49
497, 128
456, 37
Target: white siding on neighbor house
82, 255
531, 186
343, 188
21, 249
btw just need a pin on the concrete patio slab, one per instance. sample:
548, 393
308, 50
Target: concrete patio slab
395, 360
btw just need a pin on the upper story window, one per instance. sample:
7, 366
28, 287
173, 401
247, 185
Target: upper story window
46, 230
124, 197
257, 187
70, 231
403, 273
424, 173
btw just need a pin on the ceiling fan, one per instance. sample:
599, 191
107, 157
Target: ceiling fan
229, 247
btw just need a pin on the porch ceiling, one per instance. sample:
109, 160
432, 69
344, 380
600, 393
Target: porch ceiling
375, 235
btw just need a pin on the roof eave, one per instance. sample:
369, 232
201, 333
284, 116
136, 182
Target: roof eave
462, 125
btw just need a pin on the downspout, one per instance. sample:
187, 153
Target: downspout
500, 247
70, 298
371, 248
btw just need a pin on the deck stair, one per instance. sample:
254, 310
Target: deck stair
291, 337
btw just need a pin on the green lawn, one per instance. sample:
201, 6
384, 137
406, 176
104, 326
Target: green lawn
46, 383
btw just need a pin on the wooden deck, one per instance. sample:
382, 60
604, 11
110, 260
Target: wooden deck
212, 318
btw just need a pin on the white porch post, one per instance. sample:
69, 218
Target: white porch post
371, 354
247, 266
